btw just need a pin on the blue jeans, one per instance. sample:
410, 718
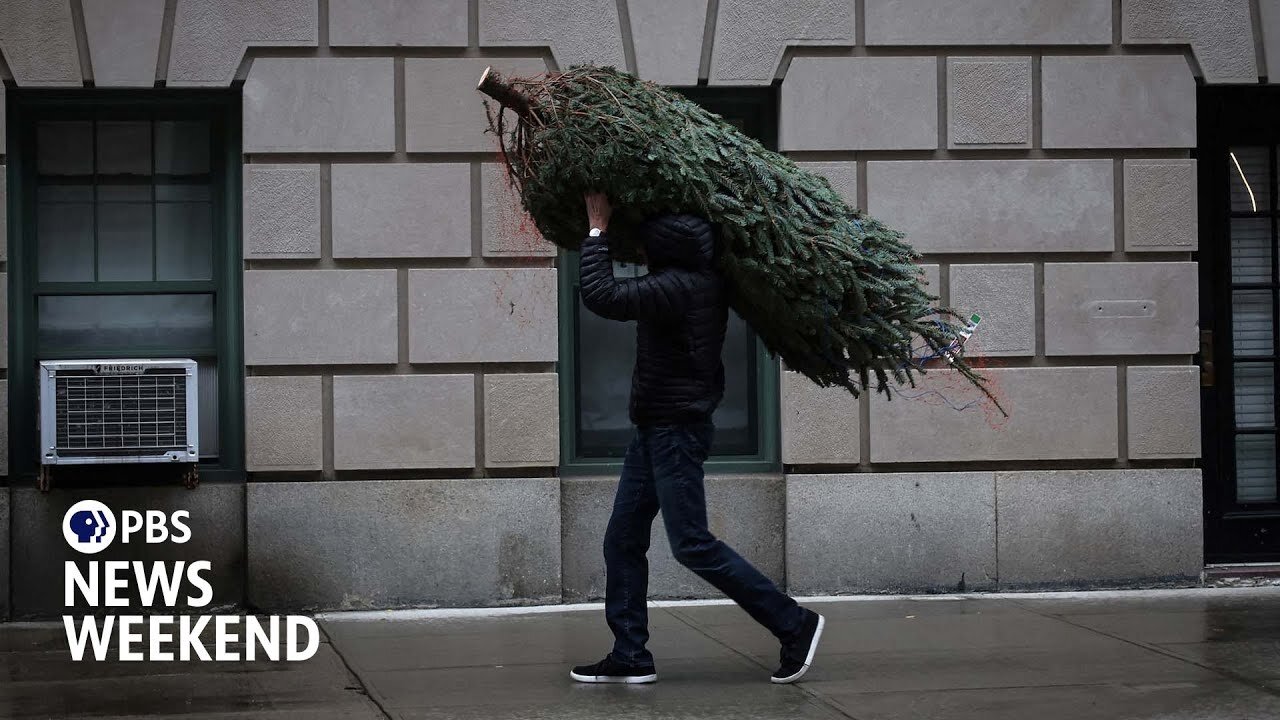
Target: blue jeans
663, 469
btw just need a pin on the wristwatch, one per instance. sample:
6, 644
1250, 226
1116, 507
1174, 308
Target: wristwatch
595, 232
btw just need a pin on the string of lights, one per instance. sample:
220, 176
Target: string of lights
923, 354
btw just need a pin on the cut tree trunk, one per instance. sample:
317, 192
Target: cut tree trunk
497, 87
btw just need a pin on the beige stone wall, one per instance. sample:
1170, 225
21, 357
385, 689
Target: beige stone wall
400, 314
400, 317
1037, 153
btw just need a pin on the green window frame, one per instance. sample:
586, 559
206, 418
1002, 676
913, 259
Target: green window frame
755, 111
221, 109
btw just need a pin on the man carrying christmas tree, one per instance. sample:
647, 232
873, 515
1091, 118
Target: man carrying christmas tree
681, 315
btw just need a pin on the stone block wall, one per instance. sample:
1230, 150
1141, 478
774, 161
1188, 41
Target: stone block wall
401, 316
400, 313
1038, 154
396, 296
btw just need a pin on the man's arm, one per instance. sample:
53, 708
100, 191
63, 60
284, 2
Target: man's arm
664, 293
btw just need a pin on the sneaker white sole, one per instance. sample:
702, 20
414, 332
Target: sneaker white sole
808, 660
622, 679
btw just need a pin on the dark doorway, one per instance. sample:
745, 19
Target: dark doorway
1239, 136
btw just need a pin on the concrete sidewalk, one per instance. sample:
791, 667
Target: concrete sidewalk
1210, 653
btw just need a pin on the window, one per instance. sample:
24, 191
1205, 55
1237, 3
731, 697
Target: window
127, 246
1253, 297
597, 355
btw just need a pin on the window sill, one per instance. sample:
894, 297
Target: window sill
714, 466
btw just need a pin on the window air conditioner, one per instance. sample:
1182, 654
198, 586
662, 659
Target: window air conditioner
99, 412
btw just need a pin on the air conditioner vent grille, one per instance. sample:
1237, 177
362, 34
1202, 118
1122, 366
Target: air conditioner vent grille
106, 415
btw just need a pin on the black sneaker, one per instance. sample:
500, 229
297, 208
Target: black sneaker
796, 656
608, 671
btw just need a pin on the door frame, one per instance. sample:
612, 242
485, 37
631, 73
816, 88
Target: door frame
1229, 116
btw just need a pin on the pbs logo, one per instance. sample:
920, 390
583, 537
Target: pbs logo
89, 526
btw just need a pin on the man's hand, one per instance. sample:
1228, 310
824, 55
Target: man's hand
598, 210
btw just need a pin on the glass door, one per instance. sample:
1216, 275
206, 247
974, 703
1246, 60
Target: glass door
1240, 320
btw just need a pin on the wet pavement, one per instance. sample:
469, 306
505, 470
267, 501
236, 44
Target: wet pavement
38, 679
1173, 655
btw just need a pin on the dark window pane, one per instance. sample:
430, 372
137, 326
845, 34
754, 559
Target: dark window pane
735, 418
1254, 395
124, 147
64, 194
1250, 173
1255, 468
64, 233
1251, 250
122, 322
124, 242
182, 147
64, 148
1251, 322
184, 241
173, 192
606, 356
124, 192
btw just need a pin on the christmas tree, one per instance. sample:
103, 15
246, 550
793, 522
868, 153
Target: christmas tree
834, 292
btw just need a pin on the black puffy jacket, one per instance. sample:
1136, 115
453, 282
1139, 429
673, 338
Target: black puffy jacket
681, 313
